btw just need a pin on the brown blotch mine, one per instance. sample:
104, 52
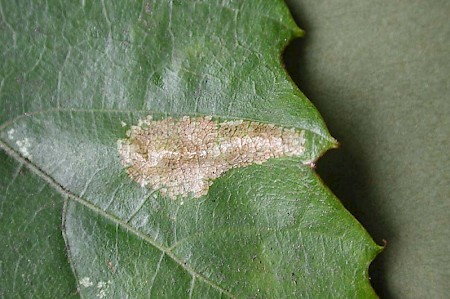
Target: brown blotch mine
182, 157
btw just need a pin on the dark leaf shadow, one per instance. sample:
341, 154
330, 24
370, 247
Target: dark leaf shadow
343, 170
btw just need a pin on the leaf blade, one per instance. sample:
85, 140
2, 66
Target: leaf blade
33, 264
233, 74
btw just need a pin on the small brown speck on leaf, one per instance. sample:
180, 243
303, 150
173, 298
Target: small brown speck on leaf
147, 8
182, 157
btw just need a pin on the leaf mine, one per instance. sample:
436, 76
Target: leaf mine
182, 157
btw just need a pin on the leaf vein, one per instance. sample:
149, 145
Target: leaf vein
158, 266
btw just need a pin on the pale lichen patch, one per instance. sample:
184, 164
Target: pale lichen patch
182, 157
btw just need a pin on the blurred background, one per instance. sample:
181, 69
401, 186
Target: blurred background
378, 71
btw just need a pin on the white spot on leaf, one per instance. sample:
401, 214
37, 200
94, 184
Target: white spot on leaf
102, 287
86, 282
24, 147
11, 134
101, 284
101, 294
181, 157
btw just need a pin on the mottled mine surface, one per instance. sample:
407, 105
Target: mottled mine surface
181, 157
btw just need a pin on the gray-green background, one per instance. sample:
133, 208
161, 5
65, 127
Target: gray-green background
378, 71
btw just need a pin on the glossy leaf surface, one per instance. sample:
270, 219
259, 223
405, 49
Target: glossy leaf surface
75, 77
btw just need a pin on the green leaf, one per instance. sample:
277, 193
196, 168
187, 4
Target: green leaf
74, 74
